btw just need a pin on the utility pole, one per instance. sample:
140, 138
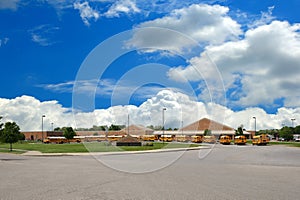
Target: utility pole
254, 125
163, 123
293, 119
43, 127
128, 125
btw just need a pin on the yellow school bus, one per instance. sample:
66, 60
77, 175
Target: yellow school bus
114, 137
166, 138
197, 138
262, 139
225, 139
94, 138
209, 139
60, 140
149, 138
57, 140
181, 138
240, 140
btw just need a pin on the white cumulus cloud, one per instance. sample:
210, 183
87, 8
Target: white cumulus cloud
259, 69
122, 6
203, 23
27, 112
86, 12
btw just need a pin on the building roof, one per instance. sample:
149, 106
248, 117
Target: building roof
89, 133
204, 124
127, 139
137, 130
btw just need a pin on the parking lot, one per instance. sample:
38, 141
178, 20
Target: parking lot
225, 172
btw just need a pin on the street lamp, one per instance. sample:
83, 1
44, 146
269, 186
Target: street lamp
43, 127
293, 119
163, 120
128, 125
181, 127
52, 127
254, 125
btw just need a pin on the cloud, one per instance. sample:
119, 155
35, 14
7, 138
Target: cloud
260, 69
203, 23
86, 12
4, 41
60, 5
167, 6
26, 111
105, 88
9, 4
67, 87
122, 6
266, 18
40, 40
43, 34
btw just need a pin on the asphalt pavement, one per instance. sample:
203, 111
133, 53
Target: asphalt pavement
223, 172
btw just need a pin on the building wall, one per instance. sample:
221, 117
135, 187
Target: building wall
89, 133
39, 135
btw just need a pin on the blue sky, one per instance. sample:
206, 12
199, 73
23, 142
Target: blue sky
249, 49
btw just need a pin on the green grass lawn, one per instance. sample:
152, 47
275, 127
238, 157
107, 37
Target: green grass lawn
47, 148
86, 147
157, 145
7, 150
291, 144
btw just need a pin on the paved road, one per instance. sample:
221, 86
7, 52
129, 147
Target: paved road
227, 172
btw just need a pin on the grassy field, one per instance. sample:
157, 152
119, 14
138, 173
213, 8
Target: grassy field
7, 150
86, 147
292, 144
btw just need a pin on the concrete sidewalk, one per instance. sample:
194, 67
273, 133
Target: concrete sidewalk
37, 153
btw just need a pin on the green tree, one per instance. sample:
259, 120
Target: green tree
57, 129
98, 128
151, 127
240, 130
21, 136
69, 133
273, 132
156, 128
115, 127
1, 128
103, 128
286, 133
207, 132
10, 133
297, 130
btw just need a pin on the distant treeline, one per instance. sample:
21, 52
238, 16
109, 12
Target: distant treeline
112, 127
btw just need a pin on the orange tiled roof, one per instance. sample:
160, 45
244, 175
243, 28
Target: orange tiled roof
204, 124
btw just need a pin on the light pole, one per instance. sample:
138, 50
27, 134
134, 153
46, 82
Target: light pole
52, 127
181, 127
293, 119
254, 125
163, 122
128, 125
43, 127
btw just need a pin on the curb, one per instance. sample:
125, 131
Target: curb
37, 153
